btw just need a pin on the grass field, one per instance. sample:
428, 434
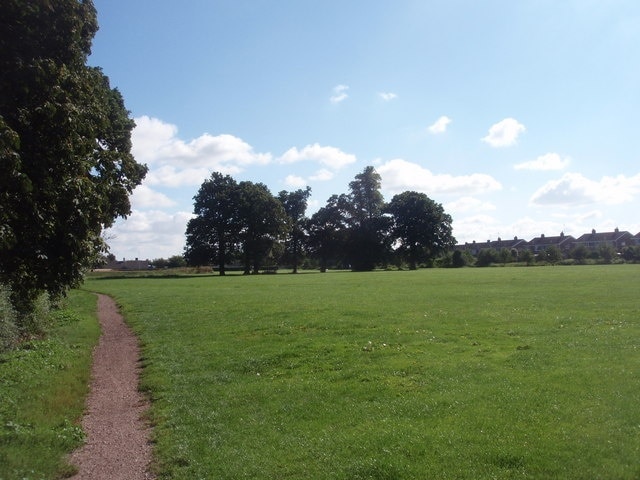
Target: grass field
42, 390
446, 374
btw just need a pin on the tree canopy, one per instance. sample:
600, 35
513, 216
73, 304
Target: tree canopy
295, 206
368, 232
357, 230
234, 221
327, 229
263, 223
66, 168
421, 228
213, 234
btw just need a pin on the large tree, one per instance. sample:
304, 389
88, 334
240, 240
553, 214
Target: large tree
421, 229
214, 233
295, 206
368, 227
366, 200
66, 170
263, 223
327, 231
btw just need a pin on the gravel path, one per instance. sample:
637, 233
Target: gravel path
117, 446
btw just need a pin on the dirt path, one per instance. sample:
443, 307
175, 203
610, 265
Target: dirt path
117, 444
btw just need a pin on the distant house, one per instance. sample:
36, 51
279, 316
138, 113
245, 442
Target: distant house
476, 247
541, 243
515, 244
128, 264
636, 239
615, 239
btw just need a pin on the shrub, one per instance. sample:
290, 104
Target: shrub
8, 328
38, 319
16, 325
486, 257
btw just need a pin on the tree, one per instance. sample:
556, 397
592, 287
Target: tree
631, 253
450, 259
176, 261
505, 255
607, 253
66, 171
295, 206
200, 248
327, 231
458, 259
263, 222
527, 256
579, 253
365, 198
214, 233
421, 229
368, 240
553, 254
486, 257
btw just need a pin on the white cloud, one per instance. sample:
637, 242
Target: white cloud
475, 228
387, 96
399, 175
149, 137
589, 217
548, 161
339, 94
328, 156
170, 176
469, 204
322, 175
440, 125
148, 234
313, 206
174, 162
294, 181
222, 149
480, 228
529, 228
143, 196
575, 189
504, 133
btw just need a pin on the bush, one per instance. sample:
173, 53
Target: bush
38, 319
8, 328
15, 326
486, 257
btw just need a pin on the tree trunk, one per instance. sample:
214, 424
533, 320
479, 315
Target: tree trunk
295, 255
221, 262
221, 252
323, 265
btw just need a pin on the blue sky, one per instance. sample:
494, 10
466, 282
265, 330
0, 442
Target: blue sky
519, 117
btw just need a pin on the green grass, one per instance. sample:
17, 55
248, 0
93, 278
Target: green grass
42, 394
501, 373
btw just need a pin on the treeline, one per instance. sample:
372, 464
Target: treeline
243, 223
